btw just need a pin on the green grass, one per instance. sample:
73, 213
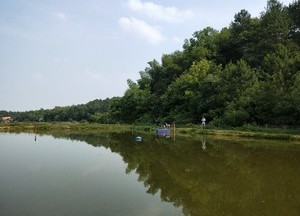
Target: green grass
74, 126
242, 132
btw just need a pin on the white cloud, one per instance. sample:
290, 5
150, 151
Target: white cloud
159, 12
61, 16
142, 29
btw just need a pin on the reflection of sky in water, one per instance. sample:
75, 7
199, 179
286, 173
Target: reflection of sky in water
63, 177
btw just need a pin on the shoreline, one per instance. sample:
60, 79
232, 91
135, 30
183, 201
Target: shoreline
40, 127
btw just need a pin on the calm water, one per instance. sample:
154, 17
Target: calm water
94, 174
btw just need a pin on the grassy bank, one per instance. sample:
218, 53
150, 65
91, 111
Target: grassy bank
58, 126
221, 133
190, 130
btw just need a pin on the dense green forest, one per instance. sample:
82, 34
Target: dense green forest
246, 73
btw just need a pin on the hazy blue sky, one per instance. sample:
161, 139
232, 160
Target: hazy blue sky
65, 52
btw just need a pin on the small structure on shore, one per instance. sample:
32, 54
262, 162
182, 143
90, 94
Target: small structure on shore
7, 119
163, 132
166, 131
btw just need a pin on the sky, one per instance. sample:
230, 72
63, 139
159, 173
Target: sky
69, 52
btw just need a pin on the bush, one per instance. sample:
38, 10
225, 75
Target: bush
235, 118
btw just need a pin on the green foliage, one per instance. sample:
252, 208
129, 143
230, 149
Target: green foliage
235, 117
293, 12
249, 72
84, 112
295, 94
203, 45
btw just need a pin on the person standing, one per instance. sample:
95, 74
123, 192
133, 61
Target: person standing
203, 120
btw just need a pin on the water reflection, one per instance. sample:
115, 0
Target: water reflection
203, 143
68, 177
211, 177
203, 177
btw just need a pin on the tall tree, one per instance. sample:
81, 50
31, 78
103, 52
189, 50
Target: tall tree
203, 45
294, 11
238, 84
274, 28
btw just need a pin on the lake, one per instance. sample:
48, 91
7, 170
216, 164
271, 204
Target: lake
111, 174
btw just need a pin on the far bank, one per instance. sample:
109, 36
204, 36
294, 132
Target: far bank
182, 130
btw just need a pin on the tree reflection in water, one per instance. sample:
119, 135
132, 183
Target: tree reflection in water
211, 177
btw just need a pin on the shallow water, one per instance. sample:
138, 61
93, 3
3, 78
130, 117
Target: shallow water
111, 174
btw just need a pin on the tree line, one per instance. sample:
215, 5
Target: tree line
246, 73
93, 111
